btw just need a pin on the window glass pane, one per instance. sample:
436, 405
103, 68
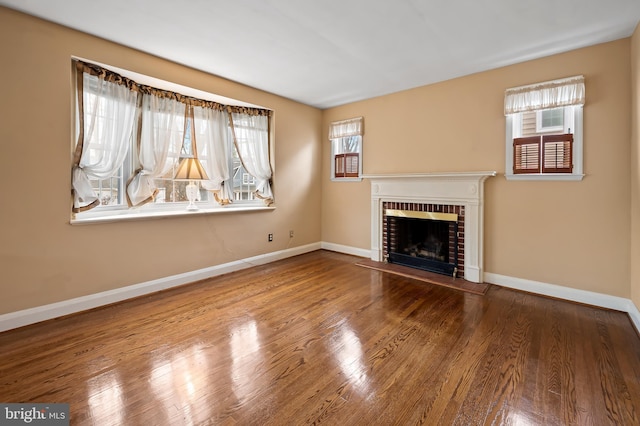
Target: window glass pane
552, 117
174, 191
187, 149
250, 135
346, 145
108, 190
244, 185
542, 122
170, 191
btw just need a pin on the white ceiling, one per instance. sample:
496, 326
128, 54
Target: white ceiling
330, 52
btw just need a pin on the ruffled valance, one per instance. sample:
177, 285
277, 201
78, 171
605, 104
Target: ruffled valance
548, 94
346, 128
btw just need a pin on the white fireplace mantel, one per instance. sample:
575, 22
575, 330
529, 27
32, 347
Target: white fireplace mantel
457, 188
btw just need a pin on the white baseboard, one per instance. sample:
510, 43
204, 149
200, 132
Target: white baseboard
634, 314
567, 293
346, 249
42, 313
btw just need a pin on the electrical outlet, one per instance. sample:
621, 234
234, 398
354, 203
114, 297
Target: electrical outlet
291, 234
270, 237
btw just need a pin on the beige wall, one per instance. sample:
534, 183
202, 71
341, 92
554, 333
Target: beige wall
42, 257
573, 234
635, 168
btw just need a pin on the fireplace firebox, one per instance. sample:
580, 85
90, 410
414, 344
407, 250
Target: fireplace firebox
423, 240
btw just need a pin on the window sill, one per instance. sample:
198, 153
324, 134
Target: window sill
353, 179
545, 177
140, 214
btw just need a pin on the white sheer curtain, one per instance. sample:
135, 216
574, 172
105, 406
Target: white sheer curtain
548, 94
161, 140
107, 116
211, 132
251, 136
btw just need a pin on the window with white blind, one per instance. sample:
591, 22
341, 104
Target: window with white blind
544, 130
346, 149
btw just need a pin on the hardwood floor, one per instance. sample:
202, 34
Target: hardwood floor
316, 339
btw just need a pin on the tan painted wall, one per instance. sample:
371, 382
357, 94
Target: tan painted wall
43, 258
635, 168
573, 234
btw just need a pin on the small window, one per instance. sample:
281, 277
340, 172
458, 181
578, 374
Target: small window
544, 130
346, 156
346, 149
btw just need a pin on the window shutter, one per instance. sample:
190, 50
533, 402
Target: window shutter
526, 155
339, 165
557, 153
556, 157
346, 165
351, 164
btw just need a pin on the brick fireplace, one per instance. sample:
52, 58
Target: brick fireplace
447, 259
459, 194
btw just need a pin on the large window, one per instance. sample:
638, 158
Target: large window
544, 130
346, 149
133, 137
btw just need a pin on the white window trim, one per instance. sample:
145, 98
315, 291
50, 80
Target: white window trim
149, 212
346, 179
512, 121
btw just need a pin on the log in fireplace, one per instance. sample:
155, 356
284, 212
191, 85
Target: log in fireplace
422, 239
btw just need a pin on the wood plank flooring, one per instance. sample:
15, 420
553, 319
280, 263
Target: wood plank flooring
315, 339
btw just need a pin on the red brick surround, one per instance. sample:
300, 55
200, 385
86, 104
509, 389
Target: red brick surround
436, 208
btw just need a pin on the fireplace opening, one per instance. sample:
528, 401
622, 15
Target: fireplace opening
423, 240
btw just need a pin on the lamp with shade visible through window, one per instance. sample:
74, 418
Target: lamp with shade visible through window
190, 168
